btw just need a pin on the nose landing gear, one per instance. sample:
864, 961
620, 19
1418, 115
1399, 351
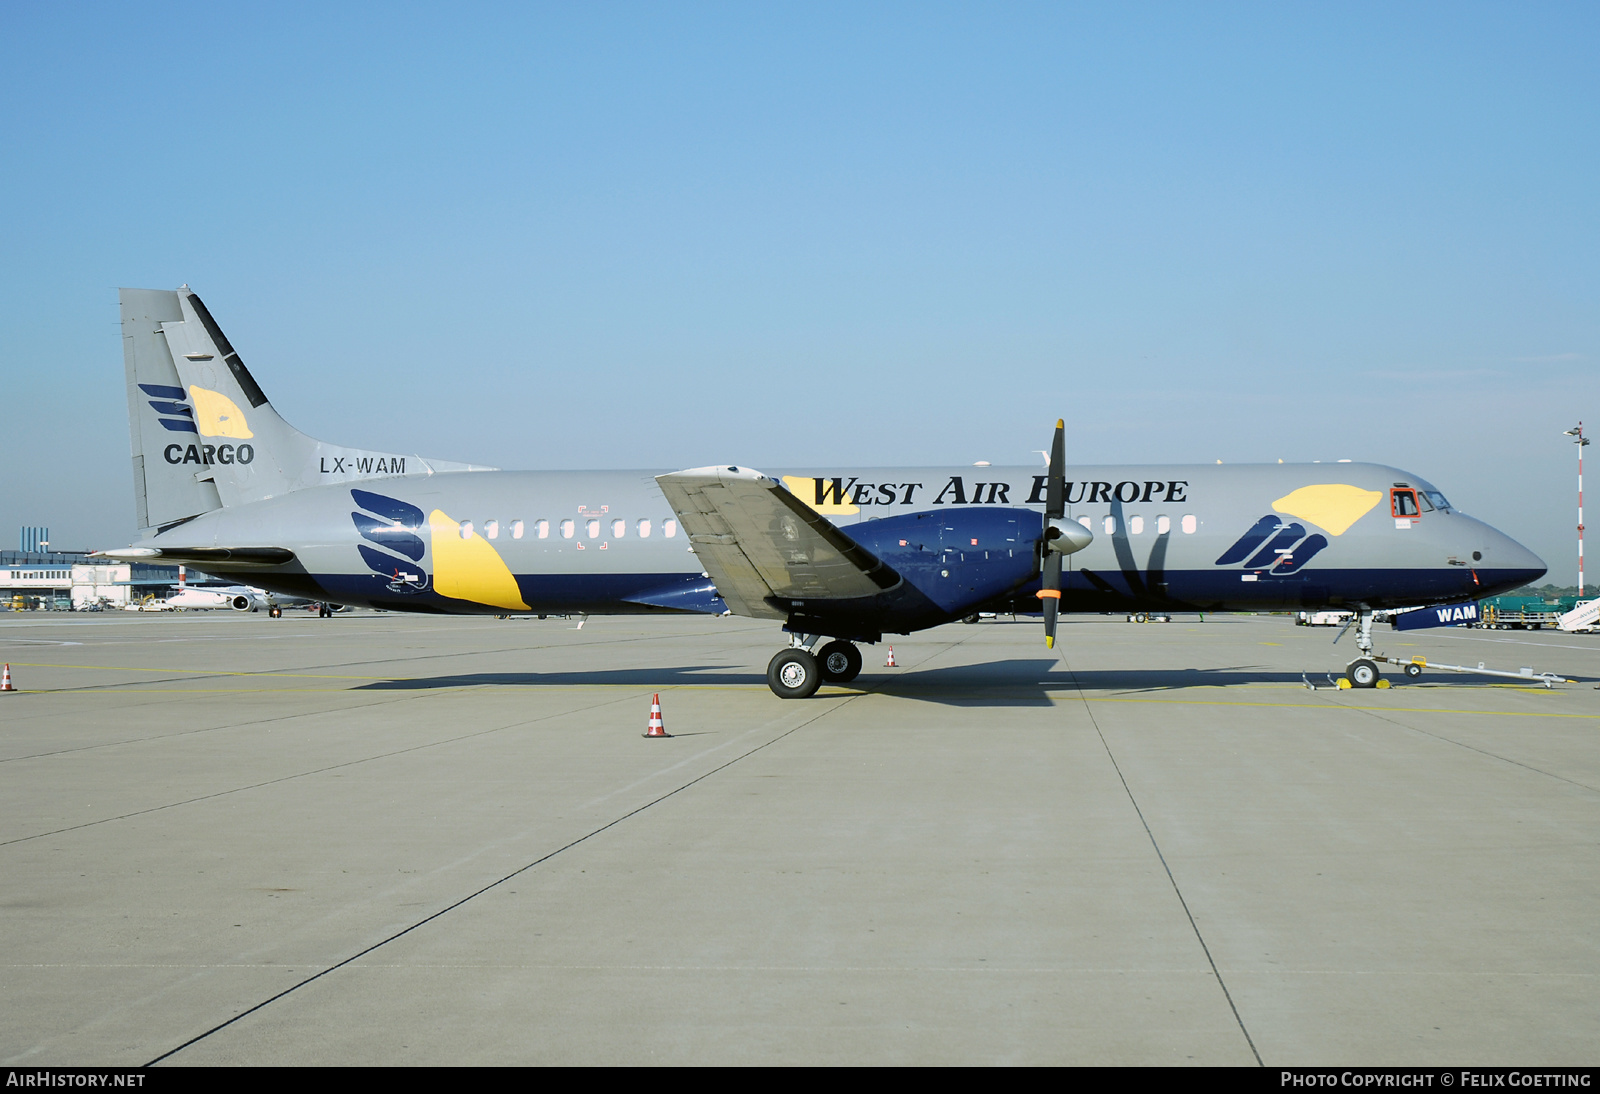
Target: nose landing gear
1363, 671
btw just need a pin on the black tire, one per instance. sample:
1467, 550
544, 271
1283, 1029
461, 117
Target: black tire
1362, 673
794, 674
1140, 617
840, 662
1413, 671
276, 613
973, 618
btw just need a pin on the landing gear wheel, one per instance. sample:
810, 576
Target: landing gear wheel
794, 674
1140, 617
973, 618
840, 661
275, 613
1362, 673
1413, 670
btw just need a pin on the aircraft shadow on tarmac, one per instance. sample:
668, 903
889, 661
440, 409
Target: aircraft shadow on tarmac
1008, 683
999, 683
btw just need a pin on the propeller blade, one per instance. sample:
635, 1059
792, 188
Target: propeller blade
1055, 497
1055, 506
1050, 596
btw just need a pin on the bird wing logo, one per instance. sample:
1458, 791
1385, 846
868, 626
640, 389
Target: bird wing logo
171, 409
394, 529
217, 415
1280, 546
198, 410
1273, 544
465, 565
1330, 505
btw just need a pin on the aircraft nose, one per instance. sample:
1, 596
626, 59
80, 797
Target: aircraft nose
1501, 562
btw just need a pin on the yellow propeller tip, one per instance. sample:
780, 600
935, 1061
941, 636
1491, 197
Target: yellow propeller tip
1061, 423
1049, 643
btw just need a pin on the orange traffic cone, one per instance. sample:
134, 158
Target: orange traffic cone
891, 663
5, 680
655, 728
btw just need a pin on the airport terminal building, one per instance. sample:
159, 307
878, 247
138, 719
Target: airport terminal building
72, 581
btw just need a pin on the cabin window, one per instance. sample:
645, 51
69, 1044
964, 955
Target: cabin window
593, 528
1163, 525
1404, 503
1087, 522
466, 529
669, 528
491, 529
567, 528
1136, 525
1189, 524
644, 529
542, 529
1110, 525
619, 528
516, 529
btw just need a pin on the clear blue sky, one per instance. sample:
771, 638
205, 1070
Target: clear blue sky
665, 235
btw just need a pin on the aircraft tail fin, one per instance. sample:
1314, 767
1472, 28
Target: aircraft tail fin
159, 416
204, 434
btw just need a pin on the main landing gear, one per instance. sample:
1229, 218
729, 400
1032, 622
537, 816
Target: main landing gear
797, 673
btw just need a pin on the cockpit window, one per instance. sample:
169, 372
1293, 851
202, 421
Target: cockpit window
1437, 499
1405, 503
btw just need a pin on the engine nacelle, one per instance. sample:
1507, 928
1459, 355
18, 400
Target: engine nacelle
958, 557
243, 603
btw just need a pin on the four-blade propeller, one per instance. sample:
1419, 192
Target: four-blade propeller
1061, 537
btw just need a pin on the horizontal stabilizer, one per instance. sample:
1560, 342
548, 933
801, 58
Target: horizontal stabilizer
758, 541
233, 556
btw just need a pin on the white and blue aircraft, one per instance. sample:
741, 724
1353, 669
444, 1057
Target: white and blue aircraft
837, 556
241, 598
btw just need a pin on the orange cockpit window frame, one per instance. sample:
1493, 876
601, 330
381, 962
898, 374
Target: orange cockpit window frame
1394, 503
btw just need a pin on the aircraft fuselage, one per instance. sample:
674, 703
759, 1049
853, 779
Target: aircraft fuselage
1205, 537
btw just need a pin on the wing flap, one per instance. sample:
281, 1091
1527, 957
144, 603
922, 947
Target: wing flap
760, 543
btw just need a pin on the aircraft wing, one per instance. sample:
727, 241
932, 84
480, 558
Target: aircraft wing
758, 541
